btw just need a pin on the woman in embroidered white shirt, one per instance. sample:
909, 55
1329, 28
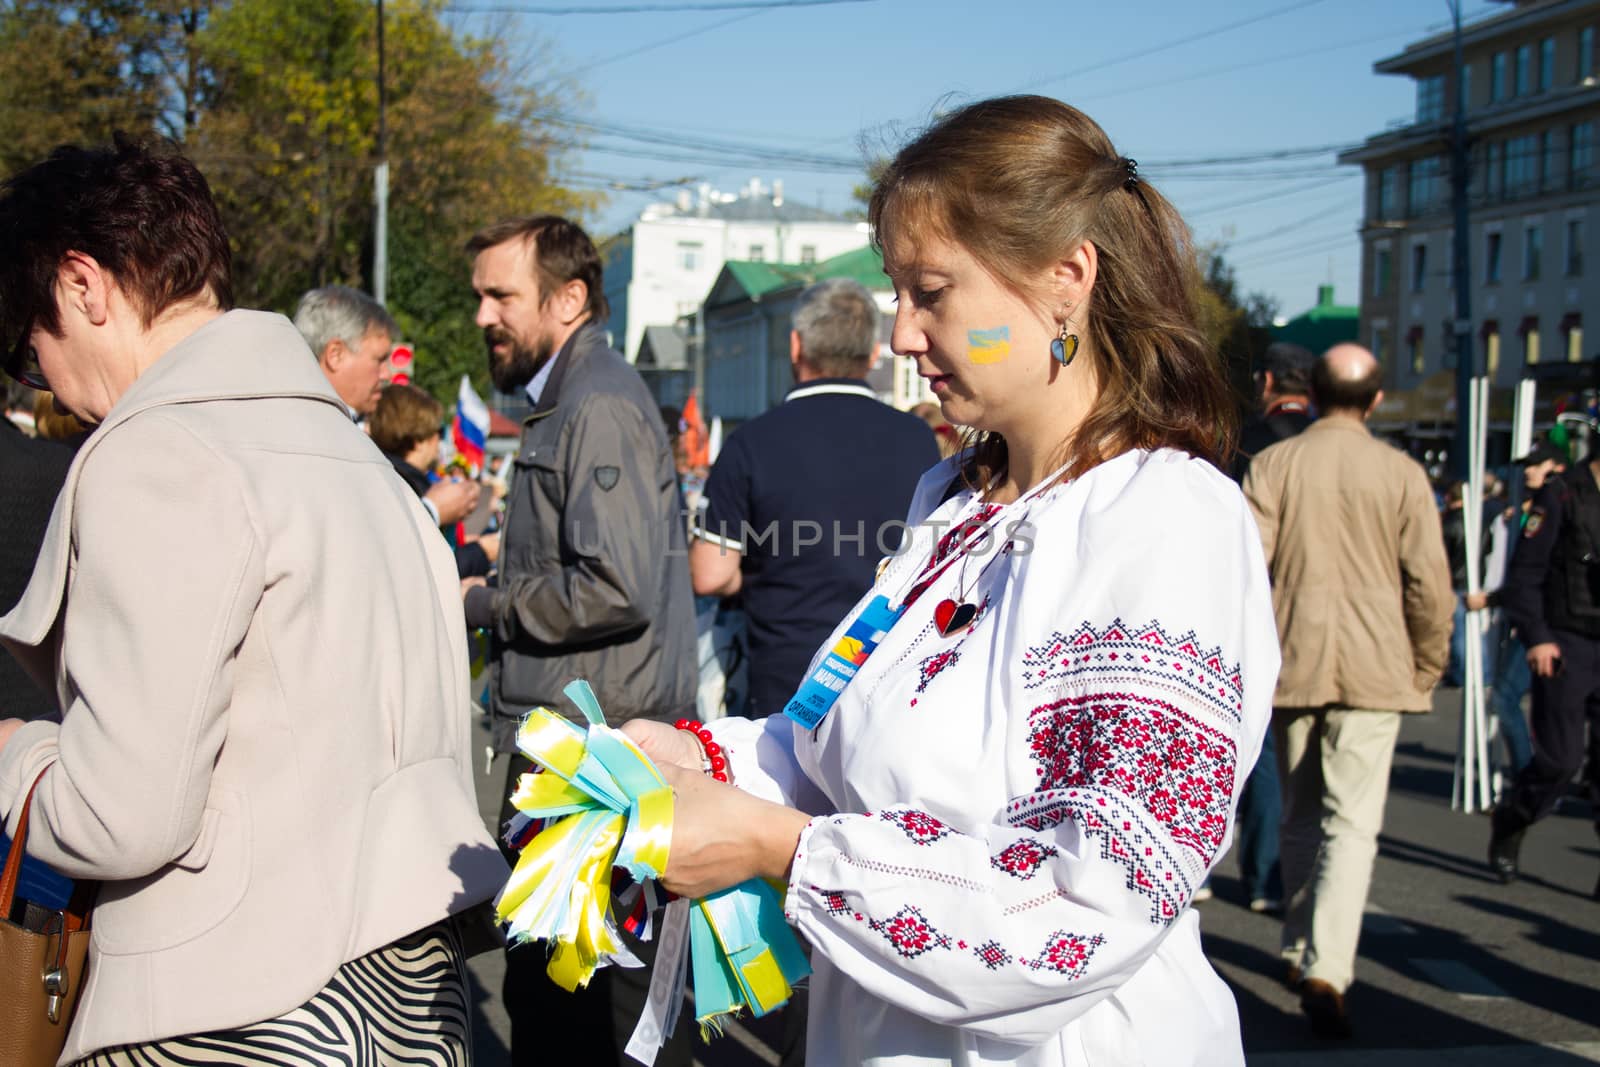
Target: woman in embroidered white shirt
992, 821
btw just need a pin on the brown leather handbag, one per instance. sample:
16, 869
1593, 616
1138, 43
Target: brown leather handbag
42, 962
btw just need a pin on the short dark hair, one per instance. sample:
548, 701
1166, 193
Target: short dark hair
1344, 394
563, 252
1290, 365
144, 212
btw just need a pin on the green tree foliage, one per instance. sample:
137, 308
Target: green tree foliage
292, 135
74, 73
1238, 324
277, 101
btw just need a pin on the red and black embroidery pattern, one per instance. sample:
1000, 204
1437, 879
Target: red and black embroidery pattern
1065, 953
930, 668
1143, 656
919, 826
1157, 870
1022, 859
1180, 770
910, 933
833, 900
992, 955
1131, 756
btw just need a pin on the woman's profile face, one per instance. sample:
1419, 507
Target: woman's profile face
66, 364
430, 451
982, 347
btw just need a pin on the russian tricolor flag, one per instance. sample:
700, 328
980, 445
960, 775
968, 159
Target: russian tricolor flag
470, 428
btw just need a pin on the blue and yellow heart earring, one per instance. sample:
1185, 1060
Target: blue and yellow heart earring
1064, 347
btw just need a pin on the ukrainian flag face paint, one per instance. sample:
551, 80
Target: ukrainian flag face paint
989, 346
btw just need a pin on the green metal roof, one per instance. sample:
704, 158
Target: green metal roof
1323, 326
863, 265
759, 279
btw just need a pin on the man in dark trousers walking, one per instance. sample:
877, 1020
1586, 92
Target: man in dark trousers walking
1552, 597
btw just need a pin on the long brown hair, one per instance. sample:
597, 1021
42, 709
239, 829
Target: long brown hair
1018, 182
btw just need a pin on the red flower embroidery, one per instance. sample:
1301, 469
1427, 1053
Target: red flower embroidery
934, 665
1023, 858
910, 933
919, 826
1066, 954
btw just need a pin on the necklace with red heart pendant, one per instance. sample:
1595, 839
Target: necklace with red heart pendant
955, 615
951, 618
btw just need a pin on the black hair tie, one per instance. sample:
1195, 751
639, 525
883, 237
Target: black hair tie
1130, 168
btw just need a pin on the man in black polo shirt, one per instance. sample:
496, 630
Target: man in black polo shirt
806, 499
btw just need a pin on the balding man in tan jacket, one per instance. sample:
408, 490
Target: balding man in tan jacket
1361, 590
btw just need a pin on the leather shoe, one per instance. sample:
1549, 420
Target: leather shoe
1324, 1006
1505, 842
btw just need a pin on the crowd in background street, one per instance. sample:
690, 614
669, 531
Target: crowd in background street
246, 550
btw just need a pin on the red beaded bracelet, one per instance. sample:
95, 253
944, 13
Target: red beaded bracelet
714, 761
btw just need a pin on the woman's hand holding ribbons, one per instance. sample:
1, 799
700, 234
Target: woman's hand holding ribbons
636, 799
722, 836
664, 744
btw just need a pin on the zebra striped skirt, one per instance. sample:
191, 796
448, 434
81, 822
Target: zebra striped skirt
405, 1003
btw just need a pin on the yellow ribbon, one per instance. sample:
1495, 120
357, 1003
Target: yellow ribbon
606, 805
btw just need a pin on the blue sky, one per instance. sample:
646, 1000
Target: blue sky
1170, 82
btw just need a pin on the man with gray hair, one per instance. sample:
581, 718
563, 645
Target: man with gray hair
351, 335
804, 500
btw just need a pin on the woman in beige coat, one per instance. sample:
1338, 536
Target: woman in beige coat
256, 637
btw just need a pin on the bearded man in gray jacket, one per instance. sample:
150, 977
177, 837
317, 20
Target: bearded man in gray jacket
594, 578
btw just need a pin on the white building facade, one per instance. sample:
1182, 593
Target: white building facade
662, 267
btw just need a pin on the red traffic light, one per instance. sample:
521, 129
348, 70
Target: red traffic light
400, 360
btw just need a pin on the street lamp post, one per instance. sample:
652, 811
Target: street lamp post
380, 182
1466, 363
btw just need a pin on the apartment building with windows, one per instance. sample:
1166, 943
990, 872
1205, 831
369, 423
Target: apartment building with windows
1532, 81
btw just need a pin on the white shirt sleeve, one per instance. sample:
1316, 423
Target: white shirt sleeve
1133, 699
760, 753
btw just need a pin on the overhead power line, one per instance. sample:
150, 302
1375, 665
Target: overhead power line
1167, 178
687, 146
1235, 67
1270, 155
650, 46
1292, 243
1296, 190
1342, 207
640, 9
1350, 242
1189, 38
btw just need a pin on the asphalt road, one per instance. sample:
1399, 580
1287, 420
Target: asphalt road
1456, 970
